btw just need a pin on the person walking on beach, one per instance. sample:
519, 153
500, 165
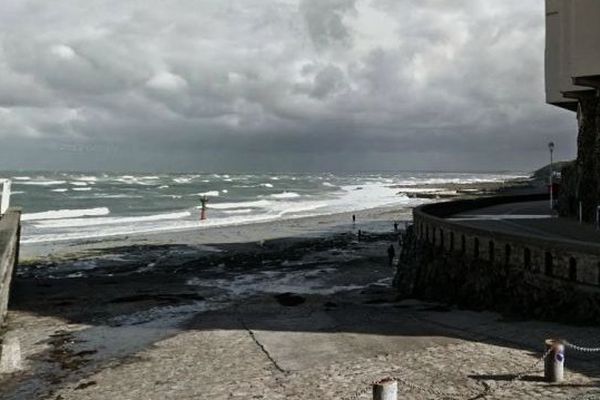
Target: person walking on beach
395, 226
359, 235
353, 219
391, 254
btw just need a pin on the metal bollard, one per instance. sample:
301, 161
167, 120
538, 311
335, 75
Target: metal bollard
386, 389
554, 364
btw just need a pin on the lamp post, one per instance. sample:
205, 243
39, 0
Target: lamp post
551, 148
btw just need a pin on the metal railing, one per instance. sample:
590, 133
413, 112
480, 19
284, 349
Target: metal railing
5, 199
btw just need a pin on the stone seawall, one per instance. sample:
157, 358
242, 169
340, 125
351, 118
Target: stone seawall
10, 227
475, 268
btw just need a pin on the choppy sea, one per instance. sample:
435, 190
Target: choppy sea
68, 205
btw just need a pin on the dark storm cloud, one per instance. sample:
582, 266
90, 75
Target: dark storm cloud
309, 84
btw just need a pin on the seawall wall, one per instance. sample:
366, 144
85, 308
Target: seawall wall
10, 229
481, 269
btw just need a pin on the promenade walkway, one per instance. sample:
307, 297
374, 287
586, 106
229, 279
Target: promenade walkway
529, 218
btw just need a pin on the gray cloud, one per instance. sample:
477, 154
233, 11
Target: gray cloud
248, 84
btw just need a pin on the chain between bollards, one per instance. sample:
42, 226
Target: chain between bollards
377, 387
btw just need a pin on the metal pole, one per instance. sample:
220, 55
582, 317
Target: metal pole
551, 179
554, 364
386, 389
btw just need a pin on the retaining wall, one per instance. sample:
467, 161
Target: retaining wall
10, 228
480, 268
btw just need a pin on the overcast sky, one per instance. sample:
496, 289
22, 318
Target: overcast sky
278, 85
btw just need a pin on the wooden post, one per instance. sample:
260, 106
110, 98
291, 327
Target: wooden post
554, 364
386, 389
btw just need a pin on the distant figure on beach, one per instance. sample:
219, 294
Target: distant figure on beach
359, 235
353, 218
391, 254
395, 226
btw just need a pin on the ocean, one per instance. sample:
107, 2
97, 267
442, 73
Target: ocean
63, 206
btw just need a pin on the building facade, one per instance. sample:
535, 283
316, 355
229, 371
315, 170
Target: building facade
573, 83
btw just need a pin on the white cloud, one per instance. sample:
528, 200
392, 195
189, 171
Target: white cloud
63, 51
166, 81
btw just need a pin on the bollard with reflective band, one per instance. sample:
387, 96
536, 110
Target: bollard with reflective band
386, 389
554, 364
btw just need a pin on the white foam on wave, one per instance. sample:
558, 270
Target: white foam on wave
214, 193
59, 214
82, 189
328, 184
87, 178
78, 183
267, 185
116, 196
285, 195
132, 180
88, 222
239, 211
182, 180
42, 183
60, 190
241, 204
21, 178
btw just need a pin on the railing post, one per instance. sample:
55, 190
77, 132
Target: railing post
5, 201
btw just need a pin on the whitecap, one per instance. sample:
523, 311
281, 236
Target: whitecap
42, 183
285, 195
214, 193
87, 178
239, 211
82, 189
80, 222
60, 190
241, 204
268, 185
57, 214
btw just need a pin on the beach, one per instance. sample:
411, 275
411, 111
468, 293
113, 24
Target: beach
291, 308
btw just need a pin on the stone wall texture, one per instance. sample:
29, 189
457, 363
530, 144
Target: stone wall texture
580, 182
10, 227
479, 269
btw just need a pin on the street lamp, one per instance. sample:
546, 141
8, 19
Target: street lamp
551, 148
